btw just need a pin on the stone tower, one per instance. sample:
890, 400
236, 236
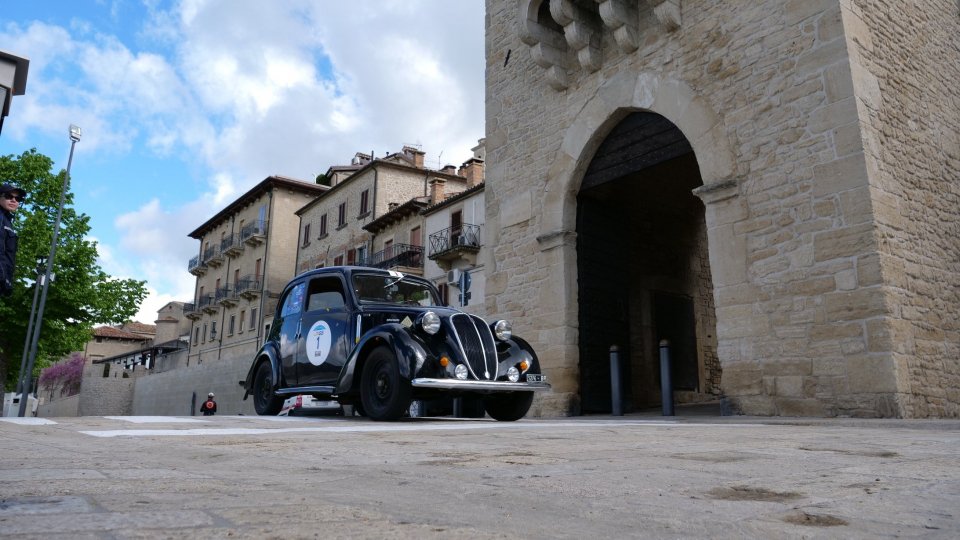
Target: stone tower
771, 186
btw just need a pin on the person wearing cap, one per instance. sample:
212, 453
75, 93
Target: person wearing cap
10, 199
209, 406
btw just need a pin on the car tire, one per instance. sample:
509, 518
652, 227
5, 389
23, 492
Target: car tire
508, 407
384, 393
265, 402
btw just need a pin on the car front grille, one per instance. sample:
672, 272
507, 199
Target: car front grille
476, 342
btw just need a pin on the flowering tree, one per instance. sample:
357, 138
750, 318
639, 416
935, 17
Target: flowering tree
65, 375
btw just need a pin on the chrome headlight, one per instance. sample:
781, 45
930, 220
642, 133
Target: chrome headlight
430, 322
513, 374
461, 372
503, 330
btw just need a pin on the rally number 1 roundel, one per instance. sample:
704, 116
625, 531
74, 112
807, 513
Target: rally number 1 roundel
318, 343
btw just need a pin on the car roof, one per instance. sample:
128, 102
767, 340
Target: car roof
349, 271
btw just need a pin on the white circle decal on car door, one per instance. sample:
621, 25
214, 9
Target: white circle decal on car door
318, 343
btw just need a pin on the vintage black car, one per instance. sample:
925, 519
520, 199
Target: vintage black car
378, 339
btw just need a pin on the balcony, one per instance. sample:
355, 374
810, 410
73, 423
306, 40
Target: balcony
212, 256
225, 296
231, 246
196, 267
254, 234
207, 304
249, 287
407, 257
454, 243
191, 312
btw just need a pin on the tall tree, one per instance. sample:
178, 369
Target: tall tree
81, 294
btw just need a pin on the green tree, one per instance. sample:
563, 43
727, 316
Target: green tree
81, 294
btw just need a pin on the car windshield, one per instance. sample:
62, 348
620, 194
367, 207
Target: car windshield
393, 289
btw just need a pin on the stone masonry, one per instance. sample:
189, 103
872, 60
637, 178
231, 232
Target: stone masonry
826, 135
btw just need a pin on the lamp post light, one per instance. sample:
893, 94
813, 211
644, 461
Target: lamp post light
26, 375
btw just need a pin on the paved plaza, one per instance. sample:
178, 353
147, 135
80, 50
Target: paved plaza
329, 477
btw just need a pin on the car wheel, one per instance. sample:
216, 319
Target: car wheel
384, 393
265, 402
508, 407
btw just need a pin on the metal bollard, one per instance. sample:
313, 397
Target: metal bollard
615, 381
666, 381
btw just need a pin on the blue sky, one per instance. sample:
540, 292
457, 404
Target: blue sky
186, 104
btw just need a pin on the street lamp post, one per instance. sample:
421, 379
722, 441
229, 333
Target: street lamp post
41, 265
26, 375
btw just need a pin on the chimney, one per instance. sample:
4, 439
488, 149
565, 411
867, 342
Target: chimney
436, 190
472, 170
448, 169
392, 206
414, 155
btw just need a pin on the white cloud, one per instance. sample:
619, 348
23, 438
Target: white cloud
252, 88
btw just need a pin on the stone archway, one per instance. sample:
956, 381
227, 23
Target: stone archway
617, 98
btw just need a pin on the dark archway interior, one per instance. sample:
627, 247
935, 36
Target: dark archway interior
643, 268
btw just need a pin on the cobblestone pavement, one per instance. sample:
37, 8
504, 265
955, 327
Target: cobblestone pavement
602, 477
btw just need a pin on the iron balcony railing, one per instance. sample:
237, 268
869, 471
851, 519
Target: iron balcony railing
224, 294
256, 228
231, 244
466, 236
189, 308
249, 283
193, 264
205, 301
210, 253
396, 255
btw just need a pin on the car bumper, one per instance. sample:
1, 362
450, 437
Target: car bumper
488, 386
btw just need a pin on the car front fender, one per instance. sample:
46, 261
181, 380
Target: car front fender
407, 348
270, 353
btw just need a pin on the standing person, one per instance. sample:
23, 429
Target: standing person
209, 406
10, 199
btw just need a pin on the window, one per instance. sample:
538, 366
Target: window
233, 322
253, 318
444, 293
416, 239
362, 255
196, 335
213, 330
243, 315
364, 202
106, 370
256, 271
456, 226
323, 226
325, 294
306, 235
236, 278
388, 249
352, 257
204, 331
338, 260
342, 215
293, 303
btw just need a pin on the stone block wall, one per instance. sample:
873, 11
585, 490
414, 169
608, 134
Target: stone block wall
906, 72
170, 393
803, 233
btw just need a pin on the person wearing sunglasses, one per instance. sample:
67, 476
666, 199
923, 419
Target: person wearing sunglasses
10, 199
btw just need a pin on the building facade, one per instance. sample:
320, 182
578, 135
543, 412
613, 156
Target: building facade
771, 187
332, 226
456, 248
247, 254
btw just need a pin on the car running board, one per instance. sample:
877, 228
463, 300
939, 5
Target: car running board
305, 390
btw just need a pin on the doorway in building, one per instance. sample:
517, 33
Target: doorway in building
643, 268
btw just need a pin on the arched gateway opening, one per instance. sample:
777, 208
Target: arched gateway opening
643, 268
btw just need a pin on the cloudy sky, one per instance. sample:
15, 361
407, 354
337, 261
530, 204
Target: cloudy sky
186, 104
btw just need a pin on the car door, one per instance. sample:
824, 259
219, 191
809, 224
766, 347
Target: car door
325, 332
292, 306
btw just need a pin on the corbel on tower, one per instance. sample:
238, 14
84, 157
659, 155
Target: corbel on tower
621, 17
581, 31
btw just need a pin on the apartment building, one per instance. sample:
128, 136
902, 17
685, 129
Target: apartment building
332, 226
455, 248
247, 254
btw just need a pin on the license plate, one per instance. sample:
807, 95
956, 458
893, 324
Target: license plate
536, 377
